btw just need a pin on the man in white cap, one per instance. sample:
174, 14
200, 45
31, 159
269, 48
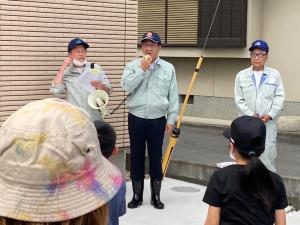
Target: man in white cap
259, 92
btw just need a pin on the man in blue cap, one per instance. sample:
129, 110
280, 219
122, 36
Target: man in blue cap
78, 78
153, 107
259, 92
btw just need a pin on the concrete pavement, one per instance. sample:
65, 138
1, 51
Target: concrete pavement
183, 205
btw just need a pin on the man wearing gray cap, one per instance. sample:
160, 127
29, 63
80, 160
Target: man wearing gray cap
153, 107
259, 92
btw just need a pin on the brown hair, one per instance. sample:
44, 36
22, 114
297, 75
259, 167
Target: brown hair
97, 217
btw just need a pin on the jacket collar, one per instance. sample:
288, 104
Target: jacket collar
266, 70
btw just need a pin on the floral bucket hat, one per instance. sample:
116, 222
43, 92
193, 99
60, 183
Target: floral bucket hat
51, 166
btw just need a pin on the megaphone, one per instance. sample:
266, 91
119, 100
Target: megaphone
98, 99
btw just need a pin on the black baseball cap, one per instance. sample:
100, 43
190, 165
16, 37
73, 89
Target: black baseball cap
247, 134
75, 42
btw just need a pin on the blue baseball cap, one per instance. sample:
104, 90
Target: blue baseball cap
75, 42
152, 36
260, 44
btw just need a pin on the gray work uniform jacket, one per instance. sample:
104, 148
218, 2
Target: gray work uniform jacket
76, 93
153, 93
268, 98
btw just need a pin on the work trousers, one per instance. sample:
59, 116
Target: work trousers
141, 132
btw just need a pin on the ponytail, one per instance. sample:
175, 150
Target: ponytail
257, 180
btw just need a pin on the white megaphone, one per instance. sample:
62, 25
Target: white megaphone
98, 99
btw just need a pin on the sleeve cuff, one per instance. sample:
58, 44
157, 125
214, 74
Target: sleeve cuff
171, 119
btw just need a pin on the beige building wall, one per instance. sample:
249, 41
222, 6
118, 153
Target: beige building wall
280, 27
215, 76
33, 44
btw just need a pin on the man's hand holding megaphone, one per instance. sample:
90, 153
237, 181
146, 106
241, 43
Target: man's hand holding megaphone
100, 86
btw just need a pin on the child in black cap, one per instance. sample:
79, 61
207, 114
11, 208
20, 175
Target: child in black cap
247, 192
107, 138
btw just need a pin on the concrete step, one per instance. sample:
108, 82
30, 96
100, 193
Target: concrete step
286, 124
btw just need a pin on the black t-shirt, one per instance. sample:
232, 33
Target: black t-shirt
237, 206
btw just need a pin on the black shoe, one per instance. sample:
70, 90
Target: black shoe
137, 199
135, 202
155, 194
155, 201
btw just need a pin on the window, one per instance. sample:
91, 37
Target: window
152, 17
229, 28
186, 22
182, 22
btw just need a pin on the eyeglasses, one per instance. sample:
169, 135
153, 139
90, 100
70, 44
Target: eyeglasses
258, 55
79, 51
149, 46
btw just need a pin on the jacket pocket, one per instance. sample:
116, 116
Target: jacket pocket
269, 90
163, 83
247, 87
